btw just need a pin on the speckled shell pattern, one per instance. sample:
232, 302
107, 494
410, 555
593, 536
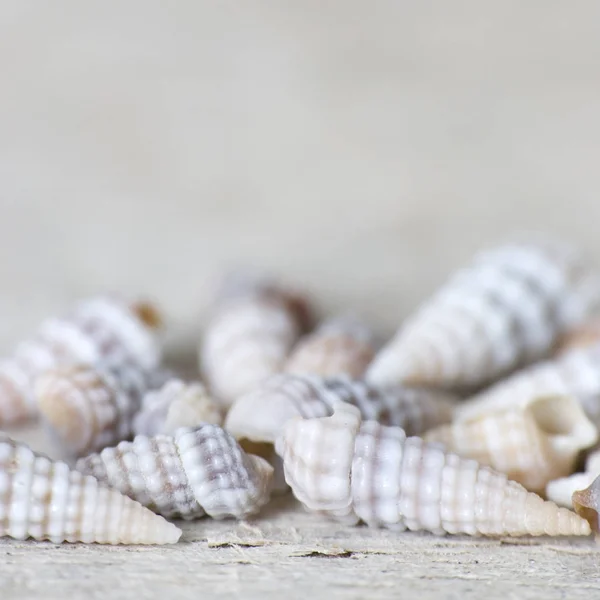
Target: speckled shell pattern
561, 490
176, 404
87, 408
252, 330
503, 311
531, 445
342, 345
363, 471
45, 500
197, 471
260, 415
576, 373
104, 330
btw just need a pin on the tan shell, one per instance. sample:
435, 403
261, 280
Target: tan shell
198, 470
44, 500
585, 335
175, 405
254, 326
340, 346
561, 490
531, 445
587, 503
100, 330
88, 408
260, 415
353, 471
504, 310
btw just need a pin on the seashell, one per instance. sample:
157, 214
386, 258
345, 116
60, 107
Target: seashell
103, 329
260, 415
251, 332
587, 503
175, 405
341, 346
353, 471
531, 445
505, 310
576, 373
196, 471
561, 490
88, 408
45, 500
585, 335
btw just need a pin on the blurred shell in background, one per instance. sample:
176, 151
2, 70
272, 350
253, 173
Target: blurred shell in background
561, 490
583, 336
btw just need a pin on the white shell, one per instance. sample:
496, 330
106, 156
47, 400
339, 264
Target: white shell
45, 500
251, 332
505, 310
103, 329
366, 471
561, 490
175, 405
260, 415
198, 470
88, 408
531, 445
340, 346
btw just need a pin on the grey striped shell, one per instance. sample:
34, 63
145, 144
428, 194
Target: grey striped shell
100, 330
249, 336
504, 310
260, 415
363, 471
44, 500
200, 470
88, 408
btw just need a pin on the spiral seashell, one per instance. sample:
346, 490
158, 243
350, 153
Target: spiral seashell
576, 373
353, 470
198, 470
587, 504
561, 490
341, 346
104, 329
531, 445
88, 408
584, 336
505, 310
260, 415
251, 332
44, 500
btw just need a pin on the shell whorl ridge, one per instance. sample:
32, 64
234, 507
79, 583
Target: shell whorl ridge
100, 330
88, 408
249, 337
177, 404
531, 445
505, 310
44, 500
200, 470
353, 471
260, 415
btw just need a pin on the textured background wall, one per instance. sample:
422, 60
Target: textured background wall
365, 148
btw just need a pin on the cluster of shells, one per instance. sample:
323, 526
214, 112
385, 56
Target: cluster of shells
480, 416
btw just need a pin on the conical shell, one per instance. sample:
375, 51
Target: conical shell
353, 470
88, 408
587, 504
341, 346
251, 332
576, 373
505, 310
199, 470
561, 490
260, 415
45, 500
103, 329
175, 405
583, 336
531, 445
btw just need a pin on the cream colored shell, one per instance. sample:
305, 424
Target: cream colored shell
586, 503
45, 500
363, 471
531, 445
100, 330
198, 470
561, 490
504, 310
176, 404
249, 336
